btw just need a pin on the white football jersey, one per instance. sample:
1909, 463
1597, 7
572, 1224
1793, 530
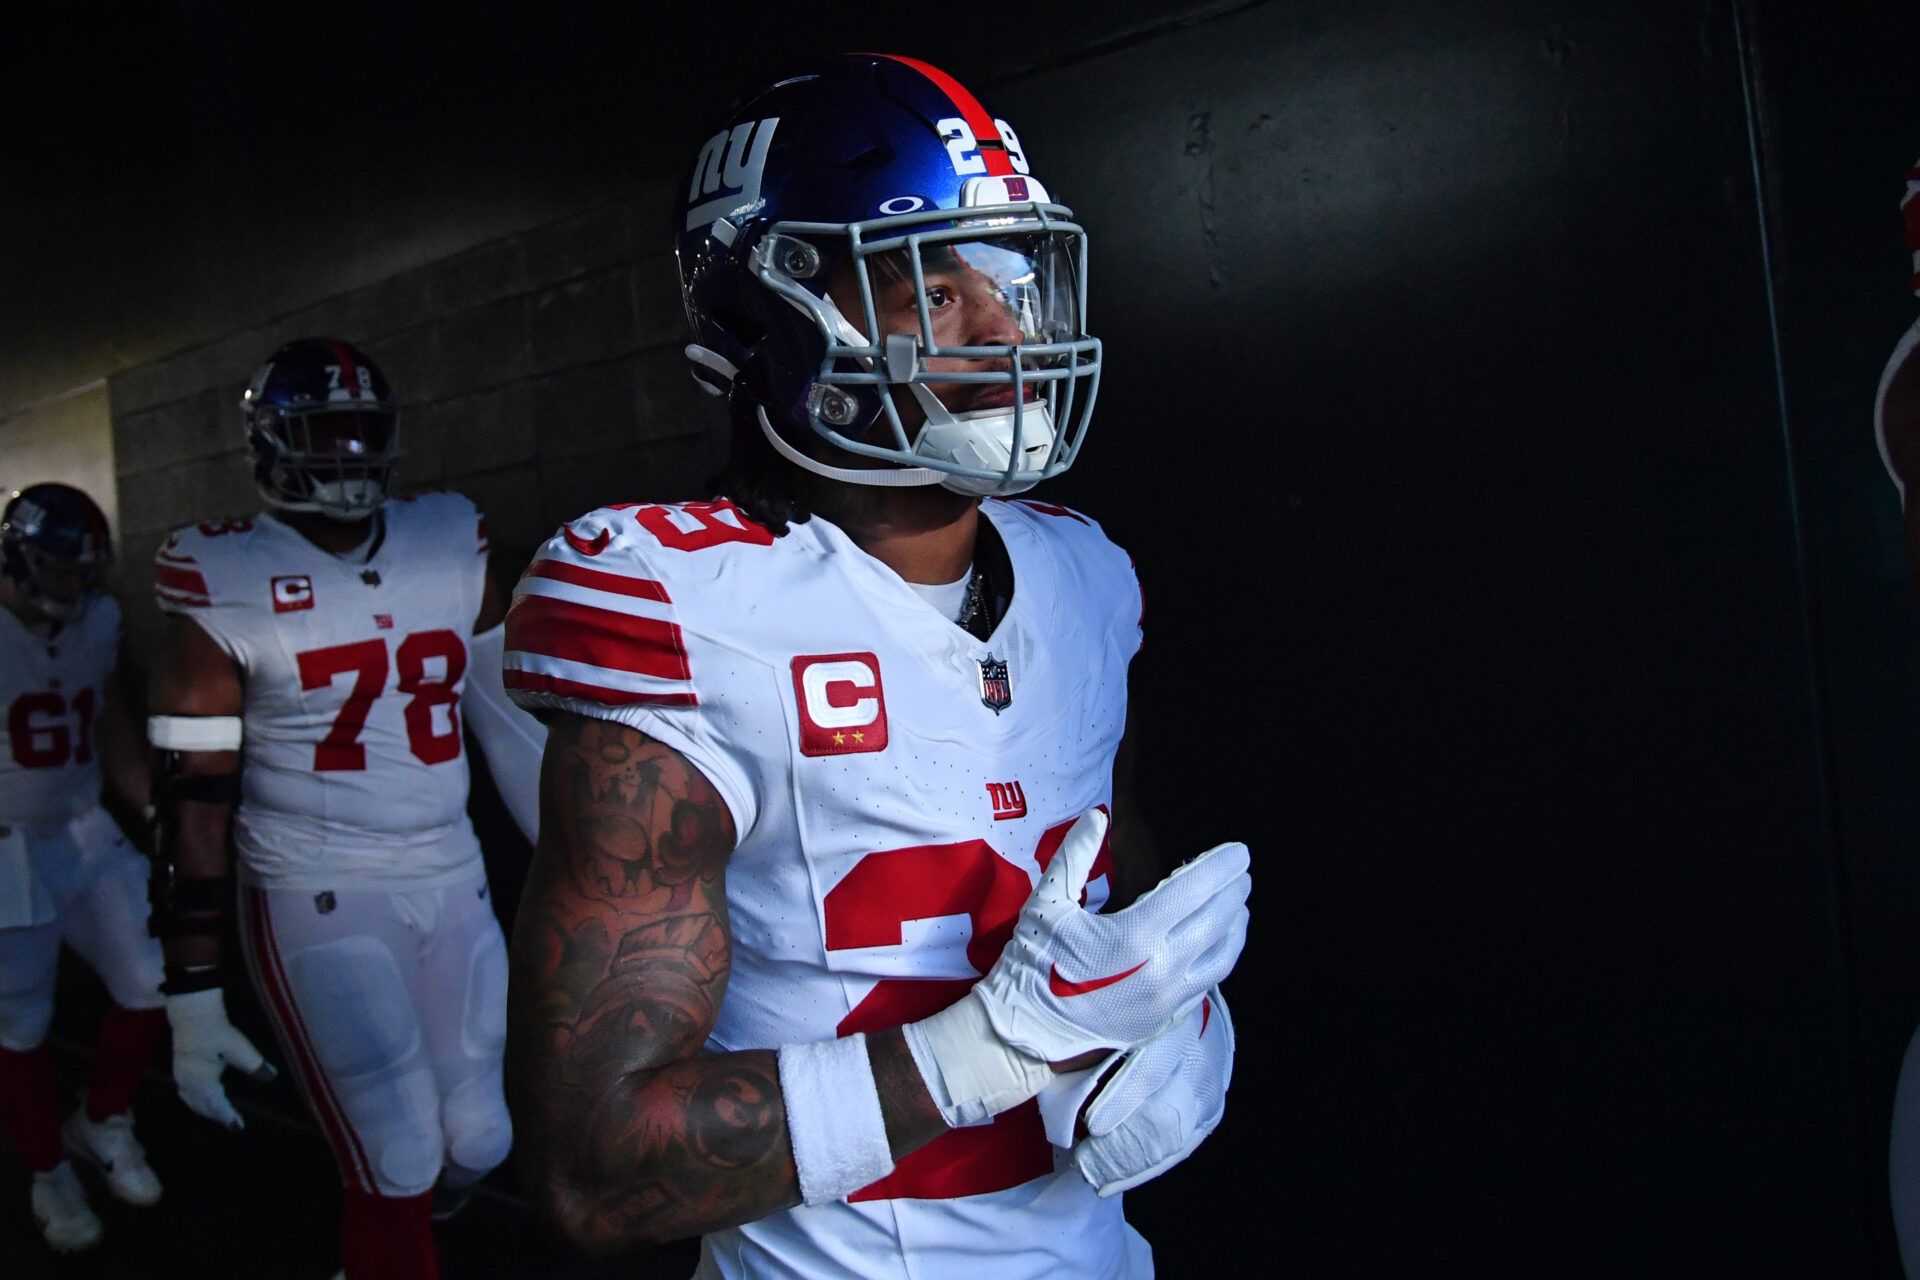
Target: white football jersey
52, 685
897, 786
354, 767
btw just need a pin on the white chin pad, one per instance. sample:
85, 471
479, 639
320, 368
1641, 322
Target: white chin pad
349, 499
983, 440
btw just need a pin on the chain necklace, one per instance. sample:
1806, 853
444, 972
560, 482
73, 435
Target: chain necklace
974, 613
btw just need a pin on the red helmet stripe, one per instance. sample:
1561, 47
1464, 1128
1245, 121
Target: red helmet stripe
984, 129
349, 371
1910, 207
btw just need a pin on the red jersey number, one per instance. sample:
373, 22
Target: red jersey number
39, 734
694, 526
867, 909
367, 660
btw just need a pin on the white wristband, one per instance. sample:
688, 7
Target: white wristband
971, 1072
194, 733
833, 1118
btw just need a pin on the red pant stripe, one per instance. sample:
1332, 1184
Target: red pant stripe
265, 953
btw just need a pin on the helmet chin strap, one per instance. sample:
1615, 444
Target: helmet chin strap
884, 477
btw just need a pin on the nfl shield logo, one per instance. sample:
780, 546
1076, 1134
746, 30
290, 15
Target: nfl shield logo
996, 690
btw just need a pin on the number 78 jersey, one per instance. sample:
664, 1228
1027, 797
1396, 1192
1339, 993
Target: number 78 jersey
897, 786
354, 770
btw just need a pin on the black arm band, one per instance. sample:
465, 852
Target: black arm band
182, 907
213, 788
188, 908
185, 979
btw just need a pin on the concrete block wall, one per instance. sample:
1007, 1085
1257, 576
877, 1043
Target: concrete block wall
540, 375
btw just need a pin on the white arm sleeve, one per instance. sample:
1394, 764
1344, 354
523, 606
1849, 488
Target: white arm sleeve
512, 739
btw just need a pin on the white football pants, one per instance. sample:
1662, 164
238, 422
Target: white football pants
98, 906
391, 1007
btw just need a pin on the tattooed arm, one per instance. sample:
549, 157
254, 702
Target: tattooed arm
628, 1133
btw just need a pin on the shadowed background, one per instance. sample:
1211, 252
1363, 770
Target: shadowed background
1488, 408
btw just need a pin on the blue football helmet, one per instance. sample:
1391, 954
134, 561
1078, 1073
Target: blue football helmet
55, 546
866, 255
323, 430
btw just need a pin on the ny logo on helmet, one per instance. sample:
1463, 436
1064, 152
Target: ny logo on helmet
728, 171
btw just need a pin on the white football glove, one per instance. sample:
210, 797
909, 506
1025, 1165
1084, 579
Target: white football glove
1070, 982
1152, 1111
205, 1044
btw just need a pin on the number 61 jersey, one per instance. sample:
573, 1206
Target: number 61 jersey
51, 688
354, 770
897, 786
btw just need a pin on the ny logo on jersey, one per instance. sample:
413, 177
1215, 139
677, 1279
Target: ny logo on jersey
291, 593
843, 709
1009, 800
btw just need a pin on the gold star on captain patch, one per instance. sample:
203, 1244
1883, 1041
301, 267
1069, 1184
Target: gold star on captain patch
859, 736
839, 739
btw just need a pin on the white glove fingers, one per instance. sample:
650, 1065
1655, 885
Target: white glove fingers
1218, 875
1066, 876
1230, 853
210, 1102
1162, 1103
1211, 947
240, 1053
1207, 924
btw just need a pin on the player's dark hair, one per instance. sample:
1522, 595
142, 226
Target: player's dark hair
768, 488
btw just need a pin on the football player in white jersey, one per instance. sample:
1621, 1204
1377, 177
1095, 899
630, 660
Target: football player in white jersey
809, 962
67, 873
317, 663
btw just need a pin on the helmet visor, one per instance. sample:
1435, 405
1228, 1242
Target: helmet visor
1005, 291
61, 579
342, 435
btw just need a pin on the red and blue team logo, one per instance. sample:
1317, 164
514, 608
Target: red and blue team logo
996, 687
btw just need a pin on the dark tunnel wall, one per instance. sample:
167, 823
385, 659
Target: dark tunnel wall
1441, 418
1487, 580
1841, 124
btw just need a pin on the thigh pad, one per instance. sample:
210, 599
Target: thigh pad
356, 1005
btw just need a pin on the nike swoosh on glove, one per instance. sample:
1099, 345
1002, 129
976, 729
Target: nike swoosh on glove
1071, 982
204, 1045
1161, 1103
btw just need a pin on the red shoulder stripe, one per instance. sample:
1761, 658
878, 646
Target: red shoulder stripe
180, 581
534, 682
1052, 509
598, 637
599, 580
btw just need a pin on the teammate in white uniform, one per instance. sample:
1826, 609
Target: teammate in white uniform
323, 648
67, 873
812, 922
